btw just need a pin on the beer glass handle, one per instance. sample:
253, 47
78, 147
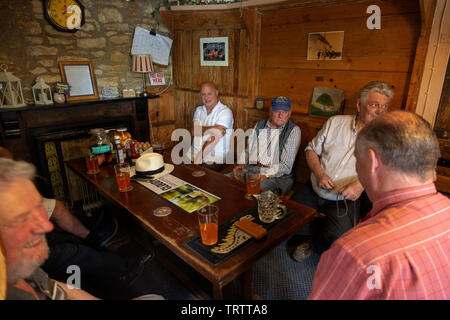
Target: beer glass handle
283, 213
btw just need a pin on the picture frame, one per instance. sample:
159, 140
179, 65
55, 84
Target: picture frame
214, 51
80, 76
325, 45
326, 102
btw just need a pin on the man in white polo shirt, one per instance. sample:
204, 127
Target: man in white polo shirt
212, 128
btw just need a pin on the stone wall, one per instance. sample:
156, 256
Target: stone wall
31, 47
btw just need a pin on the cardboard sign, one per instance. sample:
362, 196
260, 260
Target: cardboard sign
156, 78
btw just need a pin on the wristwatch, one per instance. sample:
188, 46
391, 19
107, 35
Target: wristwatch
64, 15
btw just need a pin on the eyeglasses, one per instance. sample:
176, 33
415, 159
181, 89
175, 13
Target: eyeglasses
376, 105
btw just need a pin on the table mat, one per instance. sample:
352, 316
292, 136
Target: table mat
231, 239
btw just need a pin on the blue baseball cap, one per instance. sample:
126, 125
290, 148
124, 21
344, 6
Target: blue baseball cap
281, 103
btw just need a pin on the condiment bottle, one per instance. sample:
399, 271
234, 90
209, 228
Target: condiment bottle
119, 150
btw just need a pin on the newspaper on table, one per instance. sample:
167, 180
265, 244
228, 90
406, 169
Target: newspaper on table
180, 193
157, 46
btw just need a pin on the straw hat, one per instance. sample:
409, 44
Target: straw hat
151, 165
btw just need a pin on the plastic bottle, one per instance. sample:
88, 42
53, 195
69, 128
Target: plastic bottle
133, 150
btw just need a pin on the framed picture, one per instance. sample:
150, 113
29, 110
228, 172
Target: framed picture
325, 45
81, 78
326, 101
214, 51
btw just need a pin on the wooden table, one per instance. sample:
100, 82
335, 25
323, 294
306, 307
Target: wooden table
178, 227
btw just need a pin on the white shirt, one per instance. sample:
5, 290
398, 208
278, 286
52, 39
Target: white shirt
220, 115
335, 146
49, 205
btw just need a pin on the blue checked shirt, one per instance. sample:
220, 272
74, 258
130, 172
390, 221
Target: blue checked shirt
266, 150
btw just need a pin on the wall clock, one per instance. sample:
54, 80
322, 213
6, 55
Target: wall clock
64, 15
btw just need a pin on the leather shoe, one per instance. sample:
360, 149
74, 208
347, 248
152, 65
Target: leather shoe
100, 236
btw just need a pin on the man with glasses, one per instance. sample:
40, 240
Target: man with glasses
334, 188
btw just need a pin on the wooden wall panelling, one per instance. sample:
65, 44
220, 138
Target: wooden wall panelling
385, 54
242, 74
341, 10
182, 59
442, 124
252, 20
427, 8
286, 46
298, 85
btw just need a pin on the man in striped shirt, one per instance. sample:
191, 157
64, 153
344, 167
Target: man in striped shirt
273, 147
402, 248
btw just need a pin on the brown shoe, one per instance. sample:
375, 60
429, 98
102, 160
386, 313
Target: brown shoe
302, 252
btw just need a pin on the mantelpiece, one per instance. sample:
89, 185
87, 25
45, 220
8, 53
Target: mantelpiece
28, 132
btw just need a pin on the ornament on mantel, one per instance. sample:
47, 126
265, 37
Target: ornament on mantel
41, 92
61, 89
10, 89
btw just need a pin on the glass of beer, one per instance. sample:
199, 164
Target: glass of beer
253, 181
208, 219
122, 172
92, 164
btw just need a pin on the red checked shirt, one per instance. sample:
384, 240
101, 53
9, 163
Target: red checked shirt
402, 251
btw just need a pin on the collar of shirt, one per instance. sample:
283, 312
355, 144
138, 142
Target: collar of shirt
217, 104
354, 124
268, 125
400, 195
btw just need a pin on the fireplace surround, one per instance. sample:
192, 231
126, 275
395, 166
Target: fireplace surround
47, 136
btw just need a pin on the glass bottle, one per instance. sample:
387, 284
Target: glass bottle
125, 138
100, 145
119, 150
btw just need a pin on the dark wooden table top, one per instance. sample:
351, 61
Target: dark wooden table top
178, 227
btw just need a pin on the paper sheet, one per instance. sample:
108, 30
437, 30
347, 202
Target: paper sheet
157, 46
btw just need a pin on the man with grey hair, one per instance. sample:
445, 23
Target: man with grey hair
400, 250
334, 188
23, 226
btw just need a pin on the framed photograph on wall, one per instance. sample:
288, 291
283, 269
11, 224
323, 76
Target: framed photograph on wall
326, 102
214, 51
325, 45
81, 78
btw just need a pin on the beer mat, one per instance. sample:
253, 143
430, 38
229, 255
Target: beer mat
231, 239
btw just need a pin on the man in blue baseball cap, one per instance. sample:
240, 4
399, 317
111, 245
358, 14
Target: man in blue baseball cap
273, 147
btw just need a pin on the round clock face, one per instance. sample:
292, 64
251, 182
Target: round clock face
65, 15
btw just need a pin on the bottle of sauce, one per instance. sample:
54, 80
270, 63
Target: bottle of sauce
133, 150
119, 150
125, 138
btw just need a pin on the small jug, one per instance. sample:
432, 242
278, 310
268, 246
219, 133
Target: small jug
269, 207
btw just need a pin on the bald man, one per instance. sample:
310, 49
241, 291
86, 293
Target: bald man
212, 128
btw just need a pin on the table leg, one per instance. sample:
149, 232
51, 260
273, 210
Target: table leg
217, 292
247, 282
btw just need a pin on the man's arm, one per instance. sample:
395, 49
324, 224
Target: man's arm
323, 180
76, 294
68, 222
288, 154
217, 132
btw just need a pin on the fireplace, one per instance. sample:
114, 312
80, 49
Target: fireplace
47, 136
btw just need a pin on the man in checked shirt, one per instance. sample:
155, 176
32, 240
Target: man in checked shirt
401, 250
273, 147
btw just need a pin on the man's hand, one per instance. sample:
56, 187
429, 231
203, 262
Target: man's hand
236, 170
352, 191
325, 182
